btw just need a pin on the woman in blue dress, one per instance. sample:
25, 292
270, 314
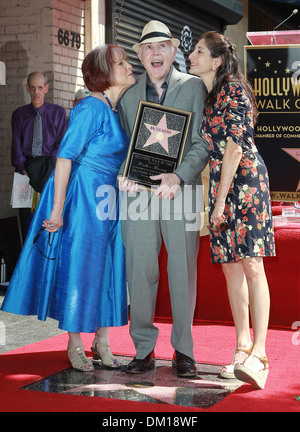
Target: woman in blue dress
72, 265
241, 231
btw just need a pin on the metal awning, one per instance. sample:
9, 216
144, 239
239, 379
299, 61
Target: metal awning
230, 11
289, 2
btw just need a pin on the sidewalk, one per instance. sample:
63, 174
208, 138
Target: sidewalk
17, 331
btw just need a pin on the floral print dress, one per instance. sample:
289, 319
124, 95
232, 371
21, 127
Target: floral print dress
248, 203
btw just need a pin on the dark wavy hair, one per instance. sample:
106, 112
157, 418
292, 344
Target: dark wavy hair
229, 71
97, 67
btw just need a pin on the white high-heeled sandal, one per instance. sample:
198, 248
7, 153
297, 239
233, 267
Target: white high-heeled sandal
228, 371
79, 360
103, 356
247, 374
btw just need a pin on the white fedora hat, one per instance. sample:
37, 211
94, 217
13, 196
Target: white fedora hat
155, 31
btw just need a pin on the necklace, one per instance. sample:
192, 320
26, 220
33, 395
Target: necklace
115, 111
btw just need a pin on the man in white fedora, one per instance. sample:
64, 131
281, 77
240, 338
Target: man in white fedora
142, 236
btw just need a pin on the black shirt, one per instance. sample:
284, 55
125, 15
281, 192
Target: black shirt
151, 92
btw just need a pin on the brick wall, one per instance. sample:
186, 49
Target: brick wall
29, 42
68, 49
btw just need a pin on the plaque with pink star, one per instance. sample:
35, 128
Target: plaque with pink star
158, 142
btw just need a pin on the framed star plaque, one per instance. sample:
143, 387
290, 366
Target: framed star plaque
157, 144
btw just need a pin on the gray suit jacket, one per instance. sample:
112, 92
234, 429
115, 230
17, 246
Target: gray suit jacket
185, 92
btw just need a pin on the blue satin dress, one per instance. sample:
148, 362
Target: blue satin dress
84, 287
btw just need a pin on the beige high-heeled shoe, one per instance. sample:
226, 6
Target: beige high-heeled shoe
247, 374
228, 370
79, 360
103, 356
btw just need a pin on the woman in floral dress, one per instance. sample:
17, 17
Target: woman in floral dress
241, 231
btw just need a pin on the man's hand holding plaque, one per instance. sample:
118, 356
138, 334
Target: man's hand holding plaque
168, 187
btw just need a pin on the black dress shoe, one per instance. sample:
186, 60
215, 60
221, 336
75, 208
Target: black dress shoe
139, 366
184, 366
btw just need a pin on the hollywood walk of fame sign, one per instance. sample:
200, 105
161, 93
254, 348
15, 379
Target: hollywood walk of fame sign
157, 143
274, 72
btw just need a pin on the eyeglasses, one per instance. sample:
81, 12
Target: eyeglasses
36, 238
218, 228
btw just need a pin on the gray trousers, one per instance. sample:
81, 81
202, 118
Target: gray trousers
142, 240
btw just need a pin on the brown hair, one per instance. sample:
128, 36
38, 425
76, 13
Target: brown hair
97, 67
229, 71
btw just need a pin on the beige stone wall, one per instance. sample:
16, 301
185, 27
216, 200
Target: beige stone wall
68, 17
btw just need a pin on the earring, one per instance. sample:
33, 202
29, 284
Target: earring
213, 69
